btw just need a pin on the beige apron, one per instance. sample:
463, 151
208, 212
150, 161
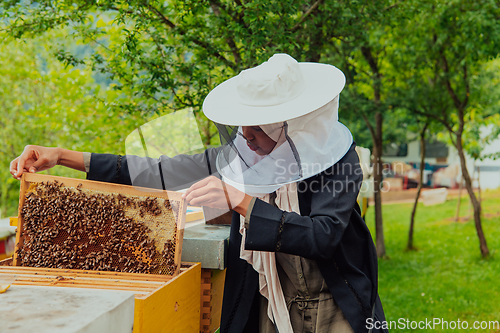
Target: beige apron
310, 304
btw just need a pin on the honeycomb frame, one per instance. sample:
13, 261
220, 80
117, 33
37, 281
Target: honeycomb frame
77, 243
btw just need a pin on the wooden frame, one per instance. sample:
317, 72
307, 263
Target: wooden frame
29, 178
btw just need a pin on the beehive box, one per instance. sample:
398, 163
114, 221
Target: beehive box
79, 224
163, 304
165, 300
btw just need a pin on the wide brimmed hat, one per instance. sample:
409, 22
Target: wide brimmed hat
277, 90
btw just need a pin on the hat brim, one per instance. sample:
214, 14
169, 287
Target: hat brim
323, 83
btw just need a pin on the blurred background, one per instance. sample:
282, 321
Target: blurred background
422, 99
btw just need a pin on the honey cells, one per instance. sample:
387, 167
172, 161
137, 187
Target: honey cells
76, 228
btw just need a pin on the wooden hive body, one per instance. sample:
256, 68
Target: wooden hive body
163, 302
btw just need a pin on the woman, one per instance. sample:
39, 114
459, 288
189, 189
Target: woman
301, 258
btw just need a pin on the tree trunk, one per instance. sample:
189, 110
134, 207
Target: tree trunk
475, 203
457, 217
377, 148
419, 189
479, 183
377, 182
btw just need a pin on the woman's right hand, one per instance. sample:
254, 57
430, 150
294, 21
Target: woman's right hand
34, 159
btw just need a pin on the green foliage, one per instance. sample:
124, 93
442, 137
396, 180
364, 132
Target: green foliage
360, 47
482, 125
167, 55
46, 104
410, 62
444, 46
441, 62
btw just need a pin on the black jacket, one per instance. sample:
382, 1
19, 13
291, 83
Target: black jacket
329, 230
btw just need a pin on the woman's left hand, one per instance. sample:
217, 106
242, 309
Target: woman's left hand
212, 192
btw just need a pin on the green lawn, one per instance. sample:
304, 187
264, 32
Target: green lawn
446, 277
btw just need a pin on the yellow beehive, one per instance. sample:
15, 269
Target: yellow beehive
164, 301
163, 304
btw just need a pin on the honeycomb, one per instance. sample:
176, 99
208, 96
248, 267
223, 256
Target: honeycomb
75, 228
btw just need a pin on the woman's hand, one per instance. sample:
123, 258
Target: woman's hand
37, 158
212, 192
34, 159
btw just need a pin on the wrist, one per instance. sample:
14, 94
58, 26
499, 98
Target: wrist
242, 207
59, 153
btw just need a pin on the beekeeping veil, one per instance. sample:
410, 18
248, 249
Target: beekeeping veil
296, 105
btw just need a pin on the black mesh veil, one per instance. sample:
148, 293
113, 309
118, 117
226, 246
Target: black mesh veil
251, 170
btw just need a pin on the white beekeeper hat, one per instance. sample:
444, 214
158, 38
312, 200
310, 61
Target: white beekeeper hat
296, 105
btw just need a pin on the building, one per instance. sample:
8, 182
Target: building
439, 156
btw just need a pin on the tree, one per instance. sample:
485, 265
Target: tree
44, 103
159, 56
446, 43
170, 54
422, 133
407, 97
167, 55
362, 52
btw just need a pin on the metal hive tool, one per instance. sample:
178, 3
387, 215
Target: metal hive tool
77, 224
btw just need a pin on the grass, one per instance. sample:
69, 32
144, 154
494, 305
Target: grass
446, 277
